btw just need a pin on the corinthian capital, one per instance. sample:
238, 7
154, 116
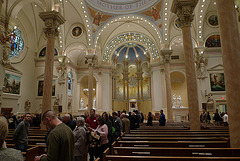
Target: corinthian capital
166, 55
52, 21
184, 10
91, 59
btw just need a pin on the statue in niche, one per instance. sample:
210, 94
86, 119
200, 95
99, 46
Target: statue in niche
81, 103
174, 100
179, 101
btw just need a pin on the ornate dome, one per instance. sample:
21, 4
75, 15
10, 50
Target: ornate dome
131, 52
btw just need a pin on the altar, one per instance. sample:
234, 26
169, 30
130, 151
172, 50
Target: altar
180, 114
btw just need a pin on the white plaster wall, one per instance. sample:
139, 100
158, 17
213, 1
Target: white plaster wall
106, 92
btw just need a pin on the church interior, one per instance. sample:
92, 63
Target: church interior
74, 55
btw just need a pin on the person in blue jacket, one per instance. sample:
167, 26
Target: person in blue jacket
162, 119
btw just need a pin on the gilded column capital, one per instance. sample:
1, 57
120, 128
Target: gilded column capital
52, 20
166, 54
184, 10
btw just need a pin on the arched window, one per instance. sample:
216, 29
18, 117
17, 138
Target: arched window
69, 83
16, 43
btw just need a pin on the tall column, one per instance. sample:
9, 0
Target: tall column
184, 10
124, 89
127, 80
91, 57
52, 21
231, 57
166, 58
138, 84
1, 3
142, 88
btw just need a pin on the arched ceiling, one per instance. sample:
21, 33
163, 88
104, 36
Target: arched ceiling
101, 24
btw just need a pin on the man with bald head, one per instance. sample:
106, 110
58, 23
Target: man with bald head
69, 122
60, 141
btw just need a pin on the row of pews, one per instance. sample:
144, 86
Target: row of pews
173, 143
36, 143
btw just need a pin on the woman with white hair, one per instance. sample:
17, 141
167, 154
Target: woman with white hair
80, 137
7, 154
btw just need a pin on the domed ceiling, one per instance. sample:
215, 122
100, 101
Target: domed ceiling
121, 6
131, 52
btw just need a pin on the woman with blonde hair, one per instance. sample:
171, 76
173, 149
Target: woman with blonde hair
7, 154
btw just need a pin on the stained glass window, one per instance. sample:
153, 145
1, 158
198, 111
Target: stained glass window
69, 83
16, 43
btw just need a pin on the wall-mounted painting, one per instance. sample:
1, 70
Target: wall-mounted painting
43, 52
12, 84
213, 20
217, 82
213, 41
40, 87
76, 31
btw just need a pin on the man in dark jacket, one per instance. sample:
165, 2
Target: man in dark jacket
162, 119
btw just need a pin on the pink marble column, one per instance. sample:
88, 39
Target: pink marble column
91, 57
166, 58
125, 79
231, 57
142, 88
52, 21
124, 89
184, 11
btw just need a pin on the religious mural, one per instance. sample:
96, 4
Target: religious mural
12, 84
97, 17
217, 82
155, 13
213, 41
76, 31
213, 20
43, 52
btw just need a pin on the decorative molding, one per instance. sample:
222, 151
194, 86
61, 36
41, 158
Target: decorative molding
218, 67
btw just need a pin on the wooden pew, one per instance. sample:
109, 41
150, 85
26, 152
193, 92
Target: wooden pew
197, 152
177, 138
175, 135
167, 158
182, 144
30, 141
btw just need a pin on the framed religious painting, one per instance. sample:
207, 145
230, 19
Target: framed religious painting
40, 87
77, 31
217, 82
212, 20
12, 84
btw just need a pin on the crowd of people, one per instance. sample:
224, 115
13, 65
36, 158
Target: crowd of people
218, 118
72, 139
67, 136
